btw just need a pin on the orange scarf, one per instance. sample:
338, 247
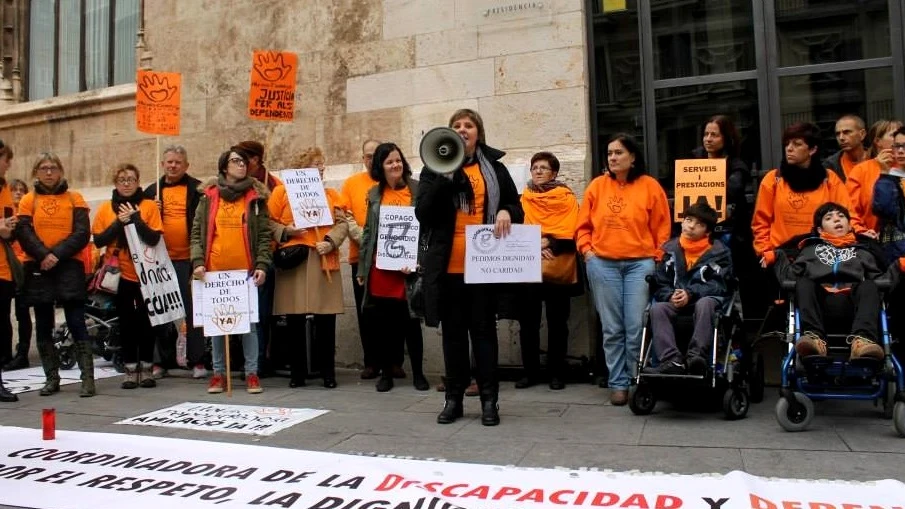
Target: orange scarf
694, 249
846, 240
556, 211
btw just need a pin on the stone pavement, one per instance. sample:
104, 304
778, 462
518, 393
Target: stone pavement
540, 428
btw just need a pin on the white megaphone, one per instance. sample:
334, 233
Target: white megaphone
442, 150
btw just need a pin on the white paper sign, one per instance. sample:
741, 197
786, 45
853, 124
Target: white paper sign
226, 303
307, 198
102, 470
511, 259
397, 238
251, 420
159, 287
198, 302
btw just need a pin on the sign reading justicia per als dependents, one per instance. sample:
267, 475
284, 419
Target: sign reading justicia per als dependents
512, 259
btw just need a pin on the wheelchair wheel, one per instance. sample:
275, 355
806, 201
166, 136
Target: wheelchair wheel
756, 378
735, 403
641, 399
889, 400
67, 357
898, 418
795, 420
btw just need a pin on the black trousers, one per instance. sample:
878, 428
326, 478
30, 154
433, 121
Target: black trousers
396, 329
7, 292
323, 345
469, 311
815, 304
366, 326
23, 319
136, 335
74, 313
558, 303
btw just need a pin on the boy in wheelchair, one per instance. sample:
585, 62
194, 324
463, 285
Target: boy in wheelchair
691, 278
834, 273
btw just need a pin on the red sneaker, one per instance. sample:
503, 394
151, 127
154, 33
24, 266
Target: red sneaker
253, 384
216, 384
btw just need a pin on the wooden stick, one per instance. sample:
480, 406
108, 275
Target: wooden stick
229, 379
317, 234
157, 166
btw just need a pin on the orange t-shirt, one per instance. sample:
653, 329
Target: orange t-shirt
6, 201
860, 186
463, 219
397, 197
355, 194
148, 212
622, 221
175, 227
51, 215
847, 164
281, 212
781, 214
227, 250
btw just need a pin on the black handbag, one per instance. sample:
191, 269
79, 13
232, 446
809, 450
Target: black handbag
414, 292
287, 258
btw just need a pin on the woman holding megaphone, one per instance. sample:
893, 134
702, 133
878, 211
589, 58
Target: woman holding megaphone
458, 189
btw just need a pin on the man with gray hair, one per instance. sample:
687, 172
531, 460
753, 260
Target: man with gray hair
850, 135
177, 196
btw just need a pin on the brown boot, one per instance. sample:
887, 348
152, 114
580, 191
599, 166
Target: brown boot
863, 348
130, 379
85, 358
810, 343
619, 397
51, 364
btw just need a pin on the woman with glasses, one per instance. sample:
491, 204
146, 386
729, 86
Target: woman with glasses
308, 281
863, 177
130, 206
231, 231
53, 230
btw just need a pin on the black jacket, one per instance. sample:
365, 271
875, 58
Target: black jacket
191, 200
706, 278
435, 208
66, 281
837, 267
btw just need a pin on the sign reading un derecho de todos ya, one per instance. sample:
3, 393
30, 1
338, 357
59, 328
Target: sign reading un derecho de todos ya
225, 303
397, 238
514, 258
272, 93
307, 197
157, 102
700, 180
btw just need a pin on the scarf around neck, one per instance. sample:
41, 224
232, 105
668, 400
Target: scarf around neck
465, 197
694, 249
61, 187
119, 199
846, 240
232, 192
803, 180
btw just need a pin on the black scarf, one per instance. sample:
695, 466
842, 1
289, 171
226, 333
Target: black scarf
803, 180
546, 186
61, 187
233, 192
182, 181
135, 199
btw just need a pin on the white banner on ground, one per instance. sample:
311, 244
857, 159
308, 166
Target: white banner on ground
198, 315
159, 286
32, 379
397, 238
307, 198
511, 259
250, 420
79, 470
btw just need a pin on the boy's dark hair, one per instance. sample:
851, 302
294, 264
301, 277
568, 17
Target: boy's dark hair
704, 213
825, 209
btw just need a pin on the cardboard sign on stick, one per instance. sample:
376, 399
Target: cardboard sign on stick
157, 102
272, 92
700, 180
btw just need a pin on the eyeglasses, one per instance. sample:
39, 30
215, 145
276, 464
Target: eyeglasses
126, 180
238, 161
898, 146
540, 169
49, 169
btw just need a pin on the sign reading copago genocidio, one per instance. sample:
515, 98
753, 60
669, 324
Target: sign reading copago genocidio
252, 420
79, 470
700, 180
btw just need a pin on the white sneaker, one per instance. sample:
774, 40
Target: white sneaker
199, 372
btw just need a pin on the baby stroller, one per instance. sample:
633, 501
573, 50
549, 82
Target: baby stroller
735, 373
814, 378
103, 329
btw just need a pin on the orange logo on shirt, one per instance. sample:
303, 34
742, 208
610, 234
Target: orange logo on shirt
50, 206
798, 200
615, 204
231, 209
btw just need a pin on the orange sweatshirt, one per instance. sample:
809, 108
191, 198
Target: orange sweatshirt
623, 221
148, 212
6, 202
281, 212
860, 186
781, 214
355, 194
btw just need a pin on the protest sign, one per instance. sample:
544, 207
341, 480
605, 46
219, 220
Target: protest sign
397, 238
80, 470
272, 93
159, 287
157, 102
198, 301
32, 379
700, 180
307, 198
225, 302
511, 259
251, 420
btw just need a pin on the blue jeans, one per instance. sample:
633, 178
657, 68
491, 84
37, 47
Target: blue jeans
620, 296
249, 349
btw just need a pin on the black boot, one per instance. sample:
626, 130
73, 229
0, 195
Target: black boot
490, 411
51, 363
452, 409
85, 358
20, 361
5, 395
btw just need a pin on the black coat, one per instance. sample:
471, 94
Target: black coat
193, 196
708, 277
435, 208
66, 282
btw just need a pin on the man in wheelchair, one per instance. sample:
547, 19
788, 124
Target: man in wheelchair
691, 278
834, 273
